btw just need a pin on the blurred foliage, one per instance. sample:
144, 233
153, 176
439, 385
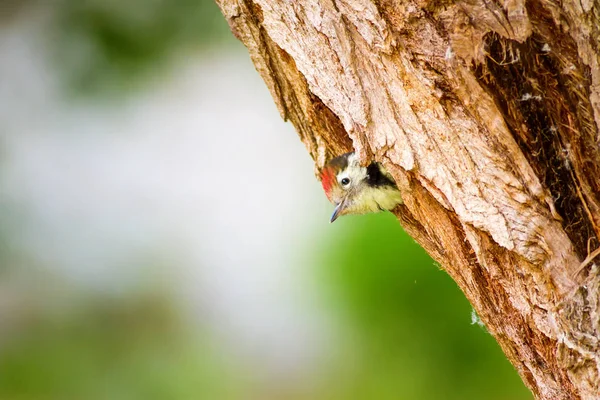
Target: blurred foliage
405, 333
135, 348
109, 45
409, 333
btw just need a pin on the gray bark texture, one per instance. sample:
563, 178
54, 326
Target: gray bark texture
487, 113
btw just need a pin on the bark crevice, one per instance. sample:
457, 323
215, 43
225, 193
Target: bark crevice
538, 104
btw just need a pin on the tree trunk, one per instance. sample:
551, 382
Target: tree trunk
487, 115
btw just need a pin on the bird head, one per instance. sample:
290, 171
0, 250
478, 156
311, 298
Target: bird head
355, 189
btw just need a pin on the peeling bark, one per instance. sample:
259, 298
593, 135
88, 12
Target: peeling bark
487, 115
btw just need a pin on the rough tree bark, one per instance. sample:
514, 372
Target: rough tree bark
487, 114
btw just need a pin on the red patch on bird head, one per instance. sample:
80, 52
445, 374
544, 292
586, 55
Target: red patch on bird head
327, 180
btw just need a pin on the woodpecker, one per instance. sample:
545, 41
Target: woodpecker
355, 189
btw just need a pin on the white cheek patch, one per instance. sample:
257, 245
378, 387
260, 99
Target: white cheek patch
353, 160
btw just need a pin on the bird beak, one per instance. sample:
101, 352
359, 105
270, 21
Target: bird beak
337, 211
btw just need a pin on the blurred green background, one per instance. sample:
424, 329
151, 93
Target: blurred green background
162, 235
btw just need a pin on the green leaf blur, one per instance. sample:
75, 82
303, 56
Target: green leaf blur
408, 327
133, 348
110, 46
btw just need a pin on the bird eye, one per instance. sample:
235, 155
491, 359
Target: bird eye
345, 181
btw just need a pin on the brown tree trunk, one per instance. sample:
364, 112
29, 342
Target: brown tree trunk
487, 114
